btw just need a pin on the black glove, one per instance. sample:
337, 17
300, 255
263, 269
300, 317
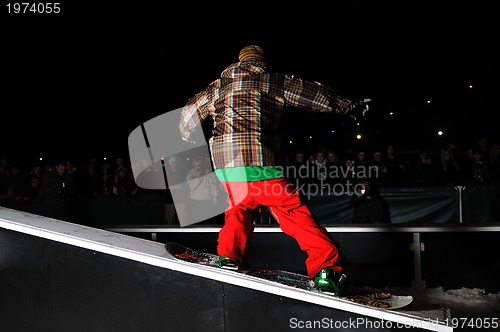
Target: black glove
361, 108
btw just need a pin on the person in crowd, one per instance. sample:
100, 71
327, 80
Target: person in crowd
203, 191
449, 172
318, 171
56, 192
18, 181
347, 174
119, 162
361, 160
483, 146
381, 179
467, 161
479, 169
369, 206
332, 159
32, 203
494, 163
123, 184
36, 170
246, 104
71, 168
105, 180
333, 167
33, 187
424, 171
396, 168
88, 180
7, 194
298, 170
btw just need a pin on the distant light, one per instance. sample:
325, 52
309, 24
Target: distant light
310, 137
41, 158
357, 124
440, 133
162, 158
428, 101
358, 136
333, 131
471, 86
291, 142
391, 113
104, 158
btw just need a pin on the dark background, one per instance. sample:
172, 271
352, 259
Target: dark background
75, 84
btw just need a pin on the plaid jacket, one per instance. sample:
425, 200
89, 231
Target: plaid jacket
246, 104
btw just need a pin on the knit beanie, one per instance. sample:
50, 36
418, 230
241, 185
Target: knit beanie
253, 53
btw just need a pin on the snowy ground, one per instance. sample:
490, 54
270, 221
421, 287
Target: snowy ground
462, 303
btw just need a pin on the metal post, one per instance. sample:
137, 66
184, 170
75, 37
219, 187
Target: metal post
417, 247
460, 214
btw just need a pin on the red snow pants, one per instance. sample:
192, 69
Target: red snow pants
289, 210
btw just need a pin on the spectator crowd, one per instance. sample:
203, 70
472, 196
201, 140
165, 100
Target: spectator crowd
388, 166
55, 186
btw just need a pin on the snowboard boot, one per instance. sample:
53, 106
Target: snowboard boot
228, 264
330, 282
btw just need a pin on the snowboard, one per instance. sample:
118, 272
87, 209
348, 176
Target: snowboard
291, 279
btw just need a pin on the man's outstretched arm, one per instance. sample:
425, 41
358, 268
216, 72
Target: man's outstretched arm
318, 97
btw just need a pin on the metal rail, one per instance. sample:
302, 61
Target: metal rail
417, 246
436, 228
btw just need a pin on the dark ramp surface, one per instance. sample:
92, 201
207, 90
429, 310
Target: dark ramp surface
58, 276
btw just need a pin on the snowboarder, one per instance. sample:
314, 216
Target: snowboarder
246, 104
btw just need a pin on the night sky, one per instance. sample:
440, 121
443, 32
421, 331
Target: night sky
75, 84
